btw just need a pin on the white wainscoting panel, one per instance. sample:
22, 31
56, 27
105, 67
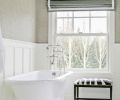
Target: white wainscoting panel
22, 57
18, 60
19, 57
26, 60
9, 61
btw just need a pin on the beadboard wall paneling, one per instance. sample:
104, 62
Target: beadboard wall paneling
19, 57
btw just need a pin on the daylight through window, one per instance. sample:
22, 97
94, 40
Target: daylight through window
84, 38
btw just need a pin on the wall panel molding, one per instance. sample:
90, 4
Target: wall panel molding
19, 57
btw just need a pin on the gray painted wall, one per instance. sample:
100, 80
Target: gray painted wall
117, 21
41, 21
17, 19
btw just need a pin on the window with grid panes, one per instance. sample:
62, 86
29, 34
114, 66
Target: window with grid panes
83, 36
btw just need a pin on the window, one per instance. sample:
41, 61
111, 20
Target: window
83, 36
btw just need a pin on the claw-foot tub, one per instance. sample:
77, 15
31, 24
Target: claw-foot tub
39, 85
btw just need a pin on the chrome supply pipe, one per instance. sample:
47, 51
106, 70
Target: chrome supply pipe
56, 56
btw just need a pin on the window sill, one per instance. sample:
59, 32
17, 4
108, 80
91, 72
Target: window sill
95, 71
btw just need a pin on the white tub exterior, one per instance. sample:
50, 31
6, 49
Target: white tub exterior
39, 85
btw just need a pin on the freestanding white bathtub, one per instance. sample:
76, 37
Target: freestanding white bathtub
39, 85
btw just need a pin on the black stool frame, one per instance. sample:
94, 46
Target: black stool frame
77, 86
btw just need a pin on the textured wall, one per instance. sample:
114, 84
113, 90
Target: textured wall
25, 20
41, 21
117, 21
17, 18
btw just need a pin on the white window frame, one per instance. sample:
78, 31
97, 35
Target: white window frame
52, 37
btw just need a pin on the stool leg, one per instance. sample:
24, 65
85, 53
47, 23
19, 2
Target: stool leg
111, 93
77, 92
74, 92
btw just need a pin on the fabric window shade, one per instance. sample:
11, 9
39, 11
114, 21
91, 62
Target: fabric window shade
80, 4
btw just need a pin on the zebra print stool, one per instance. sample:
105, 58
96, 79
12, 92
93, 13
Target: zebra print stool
91, 83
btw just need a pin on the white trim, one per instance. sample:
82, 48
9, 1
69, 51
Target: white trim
83, 17
51, 29
89, 70
83, 34
18, 43
111, 38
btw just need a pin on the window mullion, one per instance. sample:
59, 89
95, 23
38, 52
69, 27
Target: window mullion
55, 31
73, 22
82, 34
90, 22
70, 49
63, 25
